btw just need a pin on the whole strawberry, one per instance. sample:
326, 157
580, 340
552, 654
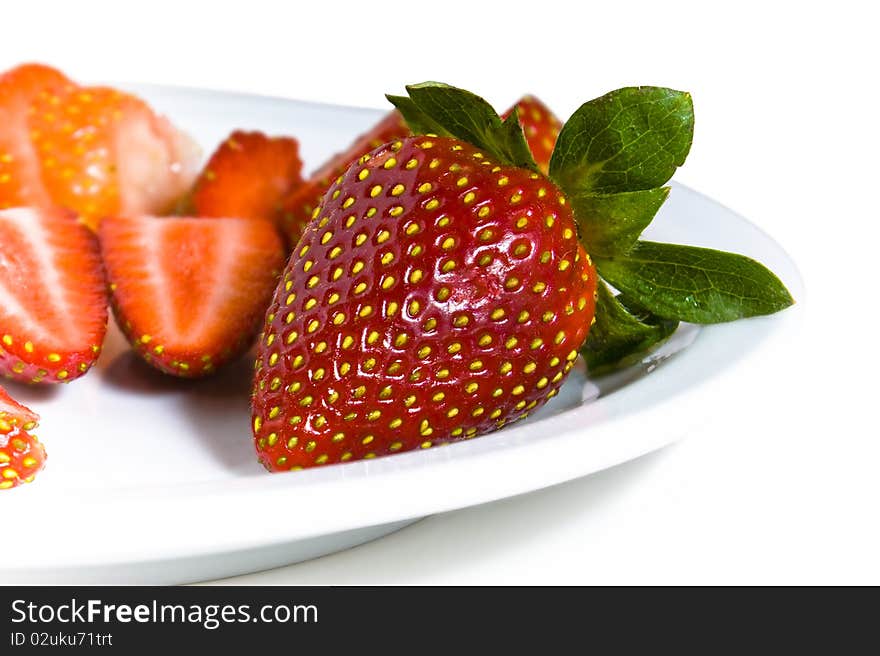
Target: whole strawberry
438, 295
444, 288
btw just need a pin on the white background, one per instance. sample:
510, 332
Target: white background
783, 486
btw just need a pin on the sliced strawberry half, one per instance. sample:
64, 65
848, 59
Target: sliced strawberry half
53, 304
299, 205
21, 180
189, 293
248, 176
541, 127
104, 152
21, 454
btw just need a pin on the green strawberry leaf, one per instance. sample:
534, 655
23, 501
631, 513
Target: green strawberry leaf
698, 285
443, 109
622, 334
517, 148
416, 119
627, 140
610, 224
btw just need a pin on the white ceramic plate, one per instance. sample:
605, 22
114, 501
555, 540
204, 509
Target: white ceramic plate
151, 479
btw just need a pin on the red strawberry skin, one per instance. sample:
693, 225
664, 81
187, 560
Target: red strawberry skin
53, 303
298, 206
435, 297
21, 454
540, 126
189, 293
20, 164
248, 176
